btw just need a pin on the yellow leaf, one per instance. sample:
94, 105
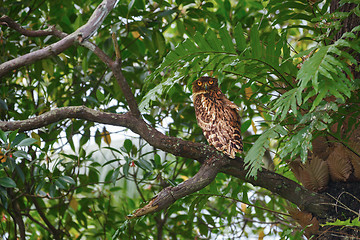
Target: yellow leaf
261, 234
248, 92
37, 137
243, 207
74, 204
2, 157
136, 34
106, 136
63, 57
253, 126
276, 161
184, 177
261, 111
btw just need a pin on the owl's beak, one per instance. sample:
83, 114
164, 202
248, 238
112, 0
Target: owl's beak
206, 86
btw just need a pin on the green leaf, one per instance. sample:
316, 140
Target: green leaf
311, 67
213, 41
18, 138
253, 159
128, 145
3, 105
271, 58
21, 154
159, 41
115, 175
349, 222
27, 142
20, 173
7, 182
256, 47
145, 164
226, 40
3, 136
67, 179
289, 99
126, 167
245, 125
201, 42
239, 38
60, 184
99, 95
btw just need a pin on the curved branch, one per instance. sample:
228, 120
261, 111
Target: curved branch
6, 20
286, 188
169, 195
81, 34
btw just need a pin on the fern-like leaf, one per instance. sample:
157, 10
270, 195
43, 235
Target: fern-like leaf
253, 159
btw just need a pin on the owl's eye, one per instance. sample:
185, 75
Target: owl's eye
211, 82
199, 83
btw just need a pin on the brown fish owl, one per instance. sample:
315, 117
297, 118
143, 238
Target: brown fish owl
217, 116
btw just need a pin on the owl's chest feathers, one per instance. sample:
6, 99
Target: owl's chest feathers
209, 106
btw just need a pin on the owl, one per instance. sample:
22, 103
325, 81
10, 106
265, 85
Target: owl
217, 116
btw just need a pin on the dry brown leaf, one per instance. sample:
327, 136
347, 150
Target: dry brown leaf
355, 159
306, 221
314, 174
297, 168
318, 174
339, 164
321, 147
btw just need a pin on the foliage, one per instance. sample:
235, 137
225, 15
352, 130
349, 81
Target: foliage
324, 73
349, 222
273, 58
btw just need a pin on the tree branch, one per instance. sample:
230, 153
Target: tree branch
115, 66
18, 220
286, 188
129, 96
81, 34
169, 195
6, 20
307, 201
57, 234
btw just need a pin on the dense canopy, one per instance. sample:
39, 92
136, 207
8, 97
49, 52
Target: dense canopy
98, 135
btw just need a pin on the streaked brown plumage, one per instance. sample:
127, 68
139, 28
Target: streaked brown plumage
217, 116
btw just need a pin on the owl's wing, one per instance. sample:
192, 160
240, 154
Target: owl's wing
228, 103
225, 133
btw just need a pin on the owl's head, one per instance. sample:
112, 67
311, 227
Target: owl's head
205, 84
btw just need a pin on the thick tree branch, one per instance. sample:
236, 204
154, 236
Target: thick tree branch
308, 201
286, 188
81, 34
